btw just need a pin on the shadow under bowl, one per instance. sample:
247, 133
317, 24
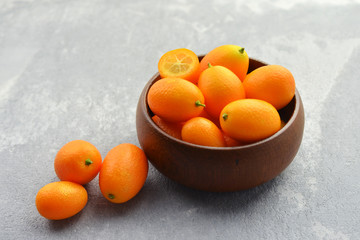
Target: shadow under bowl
221, 169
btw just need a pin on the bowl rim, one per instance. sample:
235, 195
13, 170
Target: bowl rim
246, 146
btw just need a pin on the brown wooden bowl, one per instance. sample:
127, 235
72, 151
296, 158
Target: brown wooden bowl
221, 169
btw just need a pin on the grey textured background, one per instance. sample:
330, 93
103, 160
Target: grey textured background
74, 70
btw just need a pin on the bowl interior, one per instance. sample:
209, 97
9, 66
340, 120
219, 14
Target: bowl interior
285, 113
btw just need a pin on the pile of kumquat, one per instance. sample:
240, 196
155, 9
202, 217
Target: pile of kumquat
216, 102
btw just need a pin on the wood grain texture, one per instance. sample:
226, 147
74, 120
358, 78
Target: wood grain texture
221, 169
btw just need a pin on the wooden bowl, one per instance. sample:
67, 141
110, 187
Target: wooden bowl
221, 169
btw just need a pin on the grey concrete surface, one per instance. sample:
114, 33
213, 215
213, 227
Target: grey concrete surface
75, 69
